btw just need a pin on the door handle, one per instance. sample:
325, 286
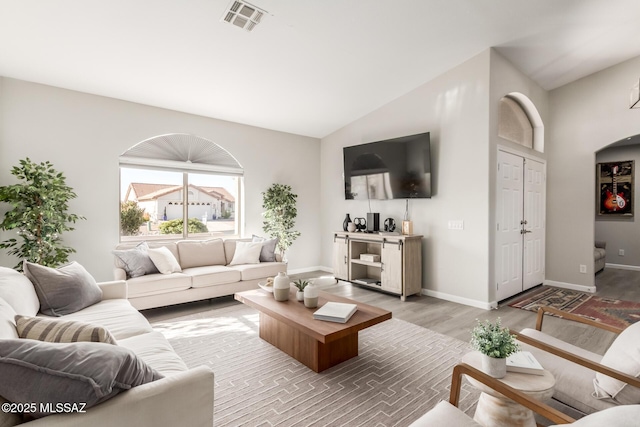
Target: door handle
523, 231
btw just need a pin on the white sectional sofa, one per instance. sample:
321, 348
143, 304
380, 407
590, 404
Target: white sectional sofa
207, 272
183, 397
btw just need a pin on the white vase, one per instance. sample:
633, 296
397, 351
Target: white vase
300, 296
281, 286
494, 366
311, 296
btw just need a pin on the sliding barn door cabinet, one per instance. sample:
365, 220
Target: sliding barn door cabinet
390, 263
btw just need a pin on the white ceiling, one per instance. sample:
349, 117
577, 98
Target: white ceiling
311, 66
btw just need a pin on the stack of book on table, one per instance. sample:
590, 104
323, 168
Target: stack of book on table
335, 312
523, 362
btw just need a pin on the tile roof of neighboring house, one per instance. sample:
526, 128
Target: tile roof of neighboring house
222, 191
144, 192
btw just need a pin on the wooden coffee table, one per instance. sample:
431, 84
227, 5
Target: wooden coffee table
290, 326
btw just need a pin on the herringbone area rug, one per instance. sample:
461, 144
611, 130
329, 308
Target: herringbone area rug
402, 371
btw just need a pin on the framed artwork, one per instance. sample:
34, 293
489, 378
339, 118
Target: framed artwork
615, 188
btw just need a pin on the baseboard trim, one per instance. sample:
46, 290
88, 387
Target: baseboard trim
572, 286
460, 300
306, 269
623, 267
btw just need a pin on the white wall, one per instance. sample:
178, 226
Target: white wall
621, 232
586, 116
83, 135
454, 108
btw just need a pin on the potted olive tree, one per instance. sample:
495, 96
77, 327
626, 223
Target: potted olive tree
495, 343
38, 211
280, 214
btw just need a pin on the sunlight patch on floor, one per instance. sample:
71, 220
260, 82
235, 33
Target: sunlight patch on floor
191, 328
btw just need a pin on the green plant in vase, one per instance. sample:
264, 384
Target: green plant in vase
495, 343
301, 284
39, 213
280, 214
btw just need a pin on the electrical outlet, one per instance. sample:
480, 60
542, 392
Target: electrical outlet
583, 268
621, 252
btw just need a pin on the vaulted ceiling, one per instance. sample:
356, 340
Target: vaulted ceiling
310, 66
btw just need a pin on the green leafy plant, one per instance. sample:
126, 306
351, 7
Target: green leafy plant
280, 215
301, 284
493, 340
39, 205
131, 218
175, 226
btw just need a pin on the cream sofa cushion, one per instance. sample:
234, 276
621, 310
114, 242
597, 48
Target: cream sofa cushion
623, 355
259, 271
154, 349
154, 284
444, 414
198, 253
18, 291
117, 315
7, 322
618, 416
202, 277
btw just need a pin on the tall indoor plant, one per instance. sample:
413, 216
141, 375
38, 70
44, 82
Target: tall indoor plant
280, 214
39, 213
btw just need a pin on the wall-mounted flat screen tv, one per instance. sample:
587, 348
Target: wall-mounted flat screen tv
398, 168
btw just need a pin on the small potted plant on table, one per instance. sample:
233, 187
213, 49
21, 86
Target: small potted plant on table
495, 343
300, 284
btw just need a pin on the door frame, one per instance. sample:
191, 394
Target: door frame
496, 248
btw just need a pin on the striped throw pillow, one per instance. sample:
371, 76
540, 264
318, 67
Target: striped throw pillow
41, 329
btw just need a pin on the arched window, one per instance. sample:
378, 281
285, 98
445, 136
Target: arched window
168, 180
520, 122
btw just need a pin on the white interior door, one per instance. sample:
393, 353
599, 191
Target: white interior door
534, 208
520, 224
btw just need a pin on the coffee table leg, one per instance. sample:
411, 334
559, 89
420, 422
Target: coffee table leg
304, 348
495, 412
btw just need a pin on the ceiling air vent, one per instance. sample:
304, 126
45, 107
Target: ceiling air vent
243, 15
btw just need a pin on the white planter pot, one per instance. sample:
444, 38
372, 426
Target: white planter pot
492, 366
300, 296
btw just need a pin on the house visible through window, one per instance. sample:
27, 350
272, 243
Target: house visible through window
157, 196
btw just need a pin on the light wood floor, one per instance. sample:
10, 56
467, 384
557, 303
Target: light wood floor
453, 319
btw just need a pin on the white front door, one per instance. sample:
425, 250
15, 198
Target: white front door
520, 224
534, 208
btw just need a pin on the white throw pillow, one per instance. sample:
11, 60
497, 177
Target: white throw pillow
623, 355
164, 260
247, 253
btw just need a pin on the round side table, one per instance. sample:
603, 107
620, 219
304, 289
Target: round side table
495, 410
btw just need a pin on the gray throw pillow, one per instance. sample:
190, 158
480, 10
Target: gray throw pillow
268, 251
136, 261
75, 373
63, 290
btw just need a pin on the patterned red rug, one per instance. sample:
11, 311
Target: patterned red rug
613, 312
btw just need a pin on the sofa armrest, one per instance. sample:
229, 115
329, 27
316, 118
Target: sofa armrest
116, 289
573, 317
601, 244
185, 398
119, 274
589, 364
